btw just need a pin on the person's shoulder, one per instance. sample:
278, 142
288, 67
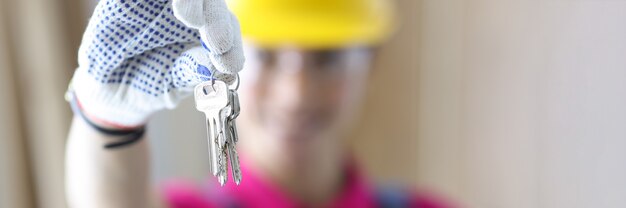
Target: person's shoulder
425, 199
181, 193
394, 196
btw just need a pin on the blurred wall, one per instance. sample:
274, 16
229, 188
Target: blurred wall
15, 186
521, 103
39, 39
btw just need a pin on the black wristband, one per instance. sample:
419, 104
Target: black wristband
128, 136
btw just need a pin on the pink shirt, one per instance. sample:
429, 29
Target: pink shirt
255, 191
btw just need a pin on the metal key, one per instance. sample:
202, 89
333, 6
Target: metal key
211, 98
224, 139
221, 107
236, 110
231, 144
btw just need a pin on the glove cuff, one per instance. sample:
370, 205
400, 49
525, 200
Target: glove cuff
113, 103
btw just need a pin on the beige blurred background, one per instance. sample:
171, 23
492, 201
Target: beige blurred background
492, 103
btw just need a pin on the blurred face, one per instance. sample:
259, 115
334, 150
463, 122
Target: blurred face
291, 94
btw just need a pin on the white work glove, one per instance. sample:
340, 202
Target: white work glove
138, 57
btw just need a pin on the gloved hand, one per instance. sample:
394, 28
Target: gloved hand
138, 57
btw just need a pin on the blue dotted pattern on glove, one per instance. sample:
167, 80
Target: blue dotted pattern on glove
141, 44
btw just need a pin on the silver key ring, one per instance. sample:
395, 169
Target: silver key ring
238, 82
212, 78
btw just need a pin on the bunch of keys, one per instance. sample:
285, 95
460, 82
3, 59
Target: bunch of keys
220, 104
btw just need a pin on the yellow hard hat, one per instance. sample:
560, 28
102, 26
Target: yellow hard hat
314, 23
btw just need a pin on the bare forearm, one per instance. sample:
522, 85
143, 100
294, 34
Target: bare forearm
98, 177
